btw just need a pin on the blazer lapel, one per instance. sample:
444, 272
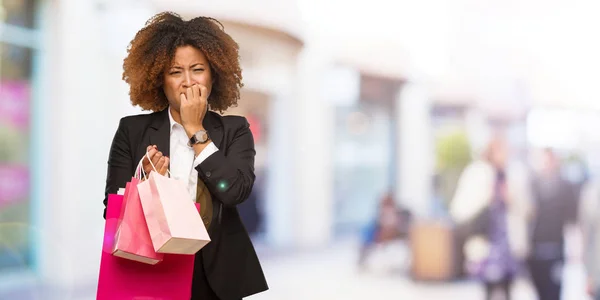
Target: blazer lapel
214, 127
160, 134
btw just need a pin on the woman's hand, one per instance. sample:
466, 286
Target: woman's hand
161, 162
193, 107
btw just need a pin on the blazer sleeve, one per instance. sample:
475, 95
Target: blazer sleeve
229, 176
120, 163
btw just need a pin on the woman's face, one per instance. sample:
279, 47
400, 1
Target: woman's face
189, 67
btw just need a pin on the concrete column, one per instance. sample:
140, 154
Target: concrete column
313, 140
280, 195
82, 103
416, 152
299, 197
70, 233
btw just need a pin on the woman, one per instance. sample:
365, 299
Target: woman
489, 206
179, 70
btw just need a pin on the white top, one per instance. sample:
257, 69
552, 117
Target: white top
182, 162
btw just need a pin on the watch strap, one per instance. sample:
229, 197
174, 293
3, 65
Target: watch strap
194, 140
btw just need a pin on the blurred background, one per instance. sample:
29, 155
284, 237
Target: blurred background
365, 115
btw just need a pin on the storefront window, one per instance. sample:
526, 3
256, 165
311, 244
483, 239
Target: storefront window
362, 158
17, 12
15, 102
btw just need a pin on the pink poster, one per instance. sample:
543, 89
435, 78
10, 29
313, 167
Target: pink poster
14, 184
14, 103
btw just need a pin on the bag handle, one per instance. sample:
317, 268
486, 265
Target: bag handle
139, 171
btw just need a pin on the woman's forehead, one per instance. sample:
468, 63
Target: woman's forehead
188, 55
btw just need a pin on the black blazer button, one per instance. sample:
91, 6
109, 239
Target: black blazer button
208, 173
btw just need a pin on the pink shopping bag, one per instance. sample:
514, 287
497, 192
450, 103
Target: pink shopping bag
132, 239
123, 279
175, 226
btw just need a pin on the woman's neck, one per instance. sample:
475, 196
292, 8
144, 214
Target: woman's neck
175, 114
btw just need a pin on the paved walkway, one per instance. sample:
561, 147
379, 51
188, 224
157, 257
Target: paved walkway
331, 274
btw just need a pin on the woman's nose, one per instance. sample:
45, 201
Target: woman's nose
188, 81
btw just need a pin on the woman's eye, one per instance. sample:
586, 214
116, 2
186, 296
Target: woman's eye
198, 70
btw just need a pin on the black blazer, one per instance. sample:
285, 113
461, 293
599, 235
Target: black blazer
230, 261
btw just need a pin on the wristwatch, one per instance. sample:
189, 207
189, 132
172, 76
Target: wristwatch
199, 137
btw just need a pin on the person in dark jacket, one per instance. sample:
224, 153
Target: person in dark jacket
179, 70
555, 207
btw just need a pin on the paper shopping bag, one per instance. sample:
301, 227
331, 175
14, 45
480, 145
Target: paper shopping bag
132, 240
123, 279
174, 224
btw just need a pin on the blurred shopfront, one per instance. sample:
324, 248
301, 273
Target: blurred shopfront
19, 48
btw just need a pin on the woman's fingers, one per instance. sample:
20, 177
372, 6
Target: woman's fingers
183, 99
189, 93
153, 155
196, 91
203, 92
150, 155
146, 162
160, 164
156, 158
147, 170
165, 166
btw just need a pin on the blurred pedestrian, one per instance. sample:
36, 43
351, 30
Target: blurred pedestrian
589, 220
391, 223
490, 208
555, 201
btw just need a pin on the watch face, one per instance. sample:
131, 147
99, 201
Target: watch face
201, 136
